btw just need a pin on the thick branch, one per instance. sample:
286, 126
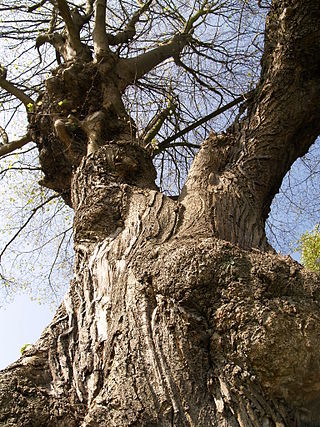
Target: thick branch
73, 31
240, 171
142, 64
133, 69
100, 41
285, 119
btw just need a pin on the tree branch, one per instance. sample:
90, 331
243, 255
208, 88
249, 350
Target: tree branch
33, 212
14, 145
284, 120
203, 11
133, 69
166, 143
11, 88
35, 6
130, 31
156, 123
4, 136
72, 29
89, 7
142, 64
100, 41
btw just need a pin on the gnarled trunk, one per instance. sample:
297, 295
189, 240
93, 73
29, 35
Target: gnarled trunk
167, 326
178, 314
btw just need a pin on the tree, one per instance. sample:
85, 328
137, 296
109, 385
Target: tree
179, 312
309, 245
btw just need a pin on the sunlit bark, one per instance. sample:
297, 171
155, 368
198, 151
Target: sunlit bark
178, 313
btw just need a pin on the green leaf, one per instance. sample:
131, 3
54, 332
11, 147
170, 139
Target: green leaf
24, 348
60, 103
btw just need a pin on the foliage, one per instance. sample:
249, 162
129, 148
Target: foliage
24, 348
309, 246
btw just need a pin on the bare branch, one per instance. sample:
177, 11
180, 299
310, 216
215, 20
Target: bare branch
35, 6
195, 75
47, 37
130, 31
157, 122
89, 7
203, 11
4, 136
71, 27
133, 69
177, 144
166, 143
9, 147
142, 64
100, 41
11, 88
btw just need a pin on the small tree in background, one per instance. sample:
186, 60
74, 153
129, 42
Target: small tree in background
309, 246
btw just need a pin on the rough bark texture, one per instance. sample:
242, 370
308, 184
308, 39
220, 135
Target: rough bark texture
178, 313
220, 336
245, 166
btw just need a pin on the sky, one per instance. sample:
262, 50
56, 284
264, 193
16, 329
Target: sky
22, 322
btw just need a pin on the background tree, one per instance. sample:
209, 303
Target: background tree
309, 245
179, 312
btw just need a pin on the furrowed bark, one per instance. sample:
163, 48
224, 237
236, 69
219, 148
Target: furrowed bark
250, 160
160, 329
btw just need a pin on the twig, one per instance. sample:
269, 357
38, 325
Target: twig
33, 212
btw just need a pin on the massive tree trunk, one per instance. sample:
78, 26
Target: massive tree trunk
179, 312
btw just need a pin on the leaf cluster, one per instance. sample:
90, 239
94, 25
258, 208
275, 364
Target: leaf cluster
309, 246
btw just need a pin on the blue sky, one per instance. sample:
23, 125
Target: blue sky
22, 322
